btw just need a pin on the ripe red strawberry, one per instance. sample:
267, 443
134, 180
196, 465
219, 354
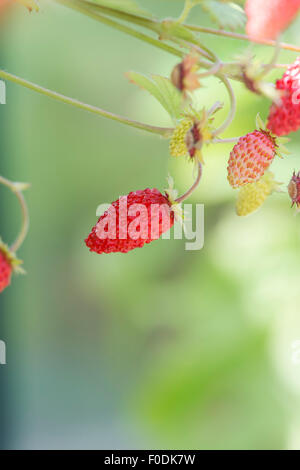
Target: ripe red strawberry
267, 18
294, 189
251, 157
148, 214
285, 117
6, 270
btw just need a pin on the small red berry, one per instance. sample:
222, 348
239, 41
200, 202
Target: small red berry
6, 270
131, 221
251, 157
267, 18
285, 117
294, 189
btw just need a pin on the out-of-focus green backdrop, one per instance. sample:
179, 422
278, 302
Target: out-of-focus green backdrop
161, 347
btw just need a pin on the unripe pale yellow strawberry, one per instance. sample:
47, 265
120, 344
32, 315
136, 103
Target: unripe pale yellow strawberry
253, 195
190, 135
178, 144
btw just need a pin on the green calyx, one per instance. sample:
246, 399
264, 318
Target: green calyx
279, 142
11, 258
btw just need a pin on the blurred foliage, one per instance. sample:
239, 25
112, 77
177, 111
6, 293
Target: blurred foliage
161, 347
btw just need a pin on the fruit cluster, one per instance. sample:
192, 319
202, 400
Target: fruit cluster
248, 165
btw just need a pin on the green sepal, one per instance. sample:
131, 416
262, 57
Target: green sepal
12, 258
278, 141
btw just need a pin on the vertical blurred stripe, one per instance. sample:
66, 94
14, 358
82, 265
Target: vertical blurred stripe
3, 298
3, 370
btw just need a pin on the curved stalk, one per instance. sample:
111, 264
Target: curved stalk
25, 215
193, 187
186, 10
163, 131
212, 71
232, 112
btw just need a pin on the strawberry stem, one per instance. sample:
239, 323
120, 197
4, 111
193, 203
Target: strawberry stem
25, 215
193, 187
226, 141
232, 111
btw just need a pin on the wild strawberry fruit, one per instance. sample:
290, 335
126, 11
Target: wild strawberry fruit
131, 221
294, 189
285, 116
250, 158
268, 18
252, 155
8, 264
253, 195
5, 271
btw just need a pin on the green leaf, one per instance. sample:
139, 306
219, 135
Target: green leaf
127, 6
225, 13
162, 89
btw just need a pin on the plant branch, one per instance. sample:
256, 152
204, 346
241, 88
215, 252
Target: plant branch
243, 37
163, 131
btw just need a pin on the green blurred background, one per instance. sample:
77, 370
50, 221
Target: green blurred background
159, 348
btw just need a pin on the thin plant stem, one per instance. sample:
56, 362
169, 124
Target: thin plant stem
25, 215
243, 37
226, 141
269, 67
193, 187
162, 131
